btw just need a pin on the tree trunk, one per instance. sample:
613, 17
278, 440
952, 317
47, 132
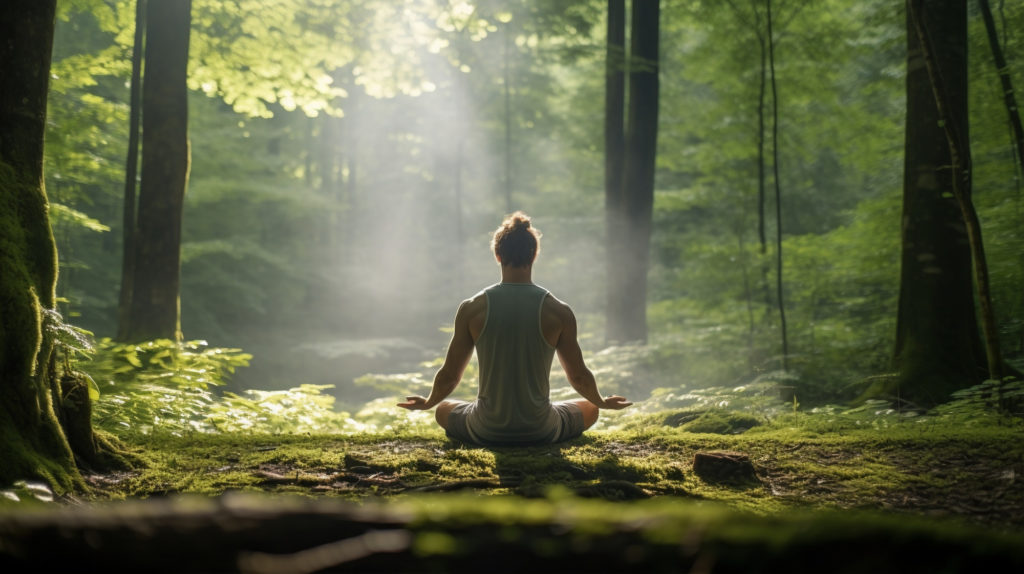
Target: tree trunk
165, 162
614, 156
762, 235
1004, 76
960, 163
124, 303
32, 443
937, 346
507, 87
460, 234
638, 180
778, 192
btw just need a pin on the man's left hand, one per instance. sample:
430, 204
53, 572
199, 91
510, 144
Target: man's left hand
615, 402
414, 403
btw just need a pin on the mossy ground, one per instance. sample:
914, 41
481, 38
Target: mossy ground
974, 474
917, 496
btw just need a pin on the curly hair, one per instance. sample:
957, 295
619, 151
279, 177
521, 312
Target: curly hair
516, 243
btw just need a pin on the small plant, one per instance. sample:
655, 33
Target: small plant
72, 343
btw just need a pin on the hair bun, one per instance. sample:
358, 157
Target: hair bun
520, 220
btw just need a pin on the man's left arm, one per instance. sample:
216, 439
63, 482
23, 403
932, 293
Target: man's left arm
460, 351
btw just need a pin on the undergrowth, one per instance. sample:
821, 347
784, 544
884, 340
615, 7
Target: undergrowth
177, 388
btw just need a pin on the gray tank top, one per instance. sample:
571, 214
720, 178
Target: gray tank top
515, 362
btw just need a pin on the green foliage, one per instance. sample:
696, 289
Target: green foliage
301, 409
985, 401
164, 387
64, 215
159, 385
71, 340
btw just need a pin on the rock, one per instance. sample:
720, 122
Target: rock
724, 466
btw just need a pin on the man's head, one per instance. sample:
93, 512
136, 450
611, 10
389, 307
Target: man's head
516, 243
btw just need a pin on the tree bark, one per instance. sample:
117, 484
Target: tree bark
937, 347
761, 94
460, 234
1009, 96
778, 192
131, 172
507, 87
638, 177
155, 312
33, 444
960, 164
614, 156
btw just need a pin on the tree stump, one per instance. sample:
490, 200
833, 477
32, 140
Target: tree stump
724, 466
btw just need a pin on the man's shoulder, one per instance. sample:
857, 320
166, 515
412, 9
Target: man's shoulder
475, 304
557, 307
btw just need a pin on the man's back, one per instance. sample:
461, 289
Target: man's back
515, 363
554, 315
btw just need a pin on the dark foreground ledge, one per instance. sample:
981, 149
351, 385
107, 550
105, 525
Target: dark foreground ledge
237, 533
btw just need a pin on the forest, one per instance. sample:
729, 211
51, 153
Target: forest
235, 234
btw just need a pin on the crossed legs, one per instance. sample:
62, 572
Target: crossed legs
444, 408
590, 412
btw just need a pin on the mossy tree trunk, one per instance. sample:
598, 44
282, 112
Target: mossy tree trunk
938, 349
32, 443
154, 311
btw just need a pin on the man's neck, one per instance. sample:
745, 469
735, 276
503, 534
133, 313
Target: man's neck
511, 274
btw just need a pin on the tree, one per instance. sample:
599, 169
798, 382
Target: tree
124, 303
630, 204
1004, 78
778, 190
961, 166
614, 155
33, 441
155, 309
938, 349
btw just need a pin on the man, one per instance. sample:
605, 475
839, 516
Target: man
516, 328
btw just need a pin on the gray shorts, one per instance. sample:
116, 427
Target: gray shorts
570, 415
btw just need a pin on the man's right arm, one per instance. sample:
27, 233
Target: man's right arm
571, 357
460, 351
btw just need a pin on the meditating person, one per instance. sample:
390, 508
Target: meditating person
516, 328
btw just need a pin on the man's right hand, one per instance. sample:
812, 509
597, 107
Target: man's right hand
615, 402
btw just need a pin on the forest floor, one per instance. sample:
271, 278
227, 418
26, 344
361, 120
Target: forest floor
919, 496
976, 475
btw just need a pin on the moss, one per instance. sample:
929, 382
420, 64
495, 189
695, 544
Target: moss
902, 468
32, 457
720, 421
558, 532
34, 445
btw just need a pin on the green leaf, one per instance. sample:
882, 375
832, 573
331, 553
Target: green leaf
133, 359
94, 389
64, 214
